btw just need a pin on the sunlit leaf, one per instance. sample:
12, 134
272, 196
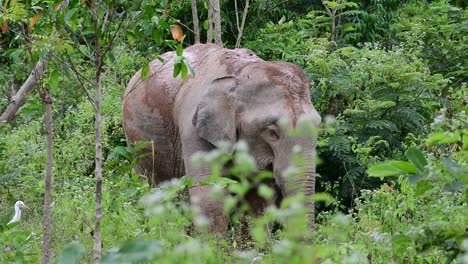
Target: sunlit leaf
57, 6
391, 168
443, 138
176, 32
34, 20
5, 26
323, 197
331, 4
265, 192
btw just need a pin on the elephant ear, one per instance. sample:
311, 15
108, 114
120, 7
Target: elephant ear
215, 115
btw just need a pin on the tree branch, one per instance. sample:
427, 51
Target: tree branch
18, 100
241, 29
196, 27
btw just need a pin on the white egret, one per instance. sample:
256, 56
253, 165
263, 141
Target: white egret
18, 206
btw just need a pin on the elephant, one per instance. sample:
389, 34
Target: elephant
233, 95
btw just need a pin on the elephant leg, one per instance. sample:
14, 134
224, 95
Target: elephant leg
201, 195
212, 209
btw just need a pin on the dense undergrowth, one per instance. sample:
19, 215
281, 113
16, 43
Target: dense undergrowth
393, 151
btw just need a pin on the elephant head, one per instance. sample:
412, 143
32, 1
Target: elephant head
259, 105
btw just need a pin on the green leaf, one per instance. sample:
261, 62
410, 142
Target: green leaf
71, 254
179, 50
443, 138
184, 71
15, 54
69, 15
265, 192
144, 71
141, 250
454, 186
422, 187
452, 166
401, 243
139, 145
130, 36
323, 197
123, 151
404, 166
391, 168
191, 70
229, 204
417, 158
177, 69
259, 234
330, 4
155, 19
465, 142
158, 36
85, 50
54, 79
110, 56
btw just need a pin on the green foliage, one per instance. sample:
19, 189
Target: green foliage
390, 86
376, 97
437, 32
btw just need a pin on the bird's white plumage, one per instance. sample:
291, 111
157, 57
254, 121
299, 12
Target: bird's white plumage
18, 206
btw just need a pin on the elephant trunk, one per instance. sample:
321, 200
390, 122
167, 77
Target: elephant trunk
298, 178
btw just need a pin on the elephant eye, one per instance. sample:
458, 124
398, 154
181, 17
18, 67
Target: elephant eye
271, 133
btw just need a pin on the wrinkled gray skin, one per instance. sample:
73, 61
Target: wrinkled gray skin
234, 95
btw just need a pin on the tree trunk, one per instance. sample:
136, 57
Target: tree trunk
98, 164
241, 27
20, 97
97, 142
217, 22
209, 31
196, 26
46, 220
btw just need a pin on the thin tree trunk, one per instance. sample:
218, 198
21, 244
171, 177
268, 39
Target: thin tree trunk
196, 26
47, 219
209, 32
97, 142
241, 28
19, 98
98, 164
217, 22
332, 15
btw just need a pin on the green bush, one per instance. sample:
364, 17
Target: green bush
379, 98
438, 33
